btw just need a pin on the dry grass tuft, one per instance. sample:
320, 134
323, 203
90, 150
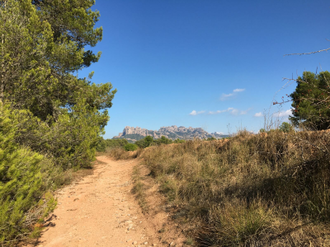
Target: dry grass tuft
139, 189
250, 190
119, 153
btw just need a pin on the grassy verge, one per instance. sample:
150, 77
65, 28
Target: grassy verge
139, 189
251, 190
120, 153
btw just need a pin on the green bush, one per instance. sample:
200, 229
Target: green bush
22, 183
70, 141
145, 142
163, 140
53, 119
179, 141
102, 144
211, 138
285, 127
130, 147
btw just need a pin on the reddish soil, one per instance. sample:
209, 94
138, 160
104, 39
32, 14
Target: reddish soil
100, 210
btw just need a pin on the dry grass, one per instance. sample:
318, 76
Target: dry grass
251, 190
120, 153
139, 189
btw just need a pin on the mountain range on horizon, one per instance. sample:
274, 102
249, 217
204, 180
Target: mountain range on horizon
133, 134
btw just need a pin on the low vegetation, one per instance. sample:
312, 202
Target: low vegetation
250, 190
139, 189
105, 145
130, 147
50, 120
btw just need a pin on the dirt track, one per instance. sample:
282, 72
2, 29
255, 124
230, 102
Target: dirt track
100, 210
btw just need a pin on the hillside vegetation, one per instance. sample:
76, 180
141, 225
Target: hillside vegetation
270, 189
50, 120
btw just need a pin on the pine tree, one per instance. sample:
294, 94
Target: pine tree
311, 101
21, 181
41, 48
39, 54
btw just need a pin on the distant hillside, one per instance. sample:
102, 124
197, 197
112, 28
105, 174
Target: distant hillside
172, 132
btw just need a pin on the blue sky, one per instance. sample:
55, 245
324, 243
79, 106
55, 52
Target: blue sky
213, 64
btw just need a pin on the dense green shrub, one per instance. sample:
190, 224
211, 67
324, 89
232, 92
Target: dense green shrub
179, 141
70, 141
211, 138
102, 144
130, 147
52, 120
285, 127
22, 182
163, 140
150, 141
145, 142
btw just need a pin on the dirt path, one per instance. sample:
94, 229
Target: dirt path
100, 210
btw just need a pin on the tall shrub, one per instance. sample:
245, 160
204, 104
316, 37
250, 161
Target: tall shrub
21, 180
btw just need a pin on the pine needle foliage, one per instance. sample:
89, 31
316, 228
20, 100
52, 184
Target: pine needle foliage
22, 183
311, 101
50, 120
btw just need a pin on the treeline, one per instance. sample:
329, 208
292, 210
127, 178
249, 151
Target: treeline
105, 145
50, 120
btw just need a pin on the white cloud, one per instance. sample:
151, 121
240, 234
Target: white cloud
238, 90
234, 112
258, 114
226, 96
283, 113
194, 113
235, 91
231, 110
246, 111
217, 112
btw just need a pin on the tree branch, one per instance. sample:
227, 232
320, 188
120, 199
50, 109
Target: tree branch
307, 53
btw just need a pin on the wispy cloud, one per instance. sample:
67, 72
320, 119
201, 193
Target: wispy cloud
218, 112
238, 90
227, 96
231, 110
283, 113
194, 113
246, 111
258, 114
234, 111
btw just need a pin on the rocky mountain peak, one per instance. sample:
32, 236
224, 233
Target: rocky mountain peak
172, 132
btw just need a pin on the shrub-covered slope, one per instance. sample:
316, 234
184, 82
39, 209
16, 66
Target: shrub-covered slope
251, 190
50, 120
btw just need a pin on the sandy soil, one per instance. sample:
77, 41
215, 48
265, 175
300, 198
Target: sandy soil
100, 210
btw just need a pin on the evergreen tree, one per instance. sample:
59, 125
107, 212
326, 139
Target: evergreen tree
40, 52
50, 120
37, 60
310, 101
285, 127
73, 21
